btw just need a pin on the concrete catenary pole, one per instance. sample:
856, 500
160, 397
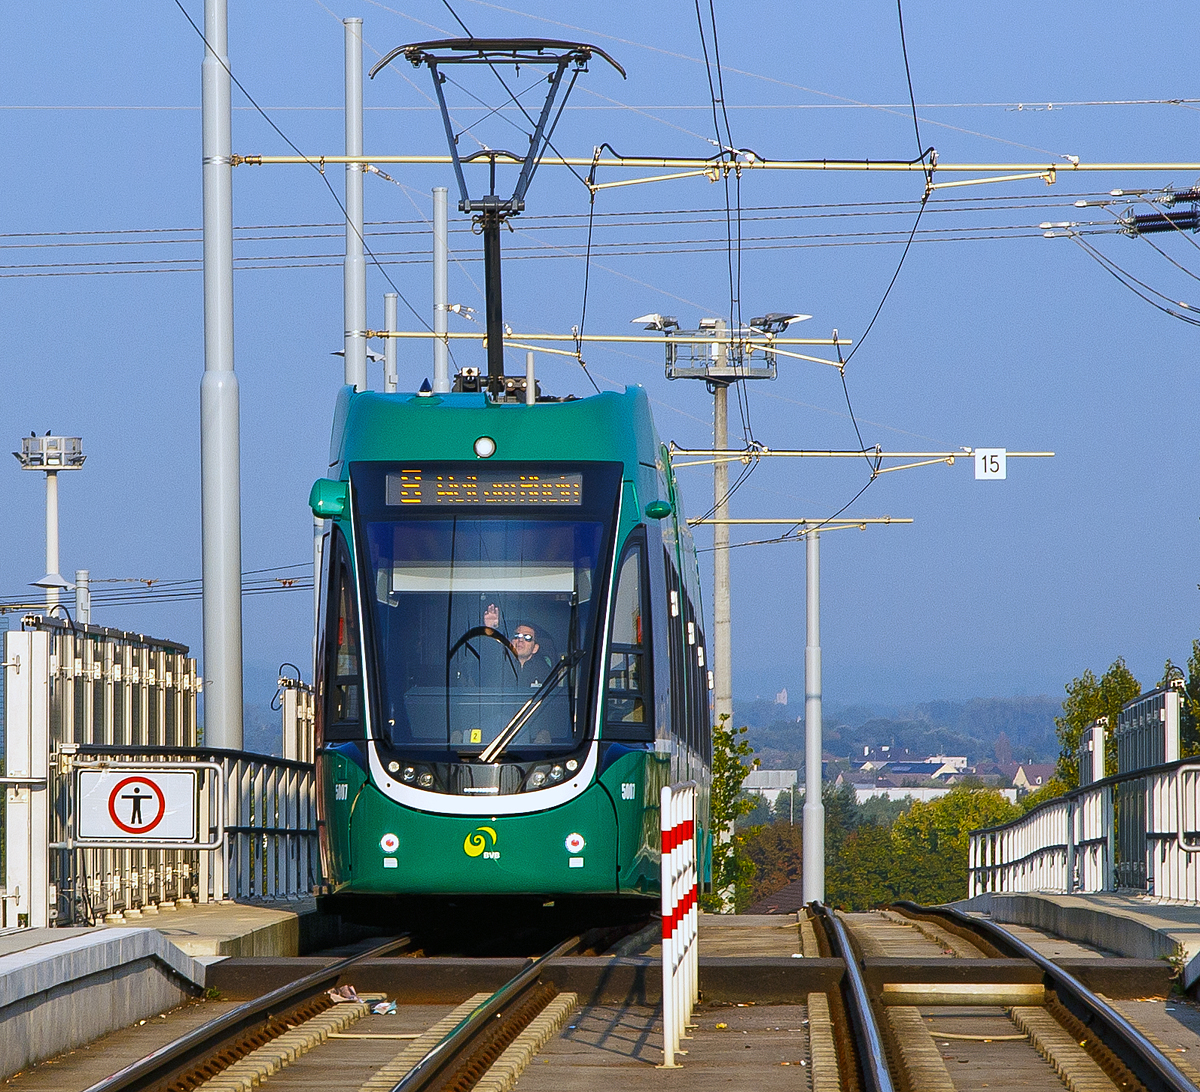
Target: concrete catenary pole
441, 292
220, 473
722, 648
391, 373
51, 535
354, 276
813, 841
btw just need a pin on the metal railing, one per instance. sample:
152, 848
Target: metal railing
87, 695
1138, 831
270, 847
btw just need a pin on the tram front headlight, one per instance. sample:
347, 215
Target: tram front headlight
572, 765
537, 779
409, 773
556, 773
425, 780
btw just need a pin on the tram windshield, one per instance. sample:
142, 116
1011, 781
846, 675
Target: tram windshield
484, 603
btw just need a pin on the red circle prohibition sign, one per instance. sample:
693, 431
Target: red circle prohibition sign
115, 795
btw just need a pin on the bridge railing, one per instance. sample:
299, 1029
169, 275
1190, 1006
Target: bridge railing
1136, 831
88, 696
269, 851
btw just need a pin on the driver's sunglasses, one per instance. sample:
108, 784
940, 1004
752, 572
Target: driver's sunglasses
522, 636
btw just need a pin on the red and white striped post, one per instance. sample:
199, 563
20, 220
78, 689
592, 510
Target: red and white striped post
680, 910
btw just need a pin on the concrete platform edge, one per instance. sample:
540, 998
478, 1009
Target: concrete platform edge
1132, 931
57, 996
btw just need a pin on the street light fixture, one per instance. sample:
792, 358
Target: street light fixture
50, 454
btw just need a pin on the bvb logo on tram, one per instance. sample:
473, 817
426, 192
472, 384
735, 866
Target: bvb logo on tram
476, 844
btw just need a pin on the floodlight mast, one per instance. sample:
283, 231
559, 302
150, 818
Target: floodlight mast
491, 210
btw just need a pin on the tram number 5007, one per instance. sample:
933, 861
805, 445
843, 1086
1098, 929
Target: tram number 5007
627, 790
991, 463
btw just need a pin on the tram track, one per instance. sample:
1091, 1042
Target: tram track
238, 1049
928, 989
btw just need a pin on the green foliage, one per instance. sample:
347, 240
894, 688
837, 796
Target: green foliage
1088, 699
758, 813
1189, 721
919, 854
774, 852
864, 872
731, 869
882, 810
933, 838
1052, 788
785, 811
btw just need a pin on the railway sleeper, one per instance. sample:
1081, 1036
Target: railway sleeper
491, 1043
1097, 1049
1076, 1068
204, 1072
250, 1070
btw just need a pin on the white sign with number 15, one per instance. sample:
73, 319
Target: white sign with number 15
991, 463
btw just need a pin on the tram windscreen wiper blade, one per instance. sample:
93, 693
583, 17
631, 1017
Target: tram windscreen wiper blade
493, 750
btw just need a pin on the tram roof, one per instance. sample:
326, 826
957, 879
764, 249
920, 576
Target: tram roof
371, 426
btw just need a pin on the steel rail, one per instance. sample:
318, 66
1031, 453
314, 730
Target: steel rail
455, 1043
156, 1069
1147, 1063
876, 1075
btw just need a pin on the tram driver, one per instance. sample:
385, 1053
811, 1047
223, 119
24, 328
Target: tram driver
533, 664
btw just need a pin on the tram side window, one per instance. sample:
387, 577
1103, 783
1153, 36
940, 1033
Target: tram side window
678, 652
696, 710
344, 715
703, 708
628, 703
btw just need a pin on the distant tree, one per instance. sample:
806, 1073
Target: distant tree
1003, 749
865, 872
841, 815
788, 807
1088, 699
883, 811
1051, 789
731, 869
759, 813
1189, 727
775, 852
931, 840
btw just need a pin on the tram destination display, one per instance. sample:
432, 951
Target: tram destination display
482, 488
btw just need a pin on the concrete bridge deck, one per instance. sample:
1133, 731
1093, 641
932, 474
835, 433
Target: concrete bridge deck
63, 988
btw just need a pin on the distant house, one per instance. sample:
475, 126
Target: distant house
1032, 775
931, 769
787, 900
1004, 770
958, 762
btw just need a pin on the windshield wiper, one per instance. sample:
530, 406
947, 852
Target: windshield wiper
493, 750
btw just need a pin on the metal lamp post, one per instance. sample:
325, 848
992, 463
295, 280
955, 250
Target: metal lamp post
50, 454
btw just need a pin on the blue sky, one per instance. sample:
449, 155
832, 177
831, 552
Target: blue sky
992, 335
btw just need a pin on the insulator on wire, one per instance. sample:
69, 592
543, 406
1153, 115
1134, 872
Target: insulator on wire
1153, 223
1185, 197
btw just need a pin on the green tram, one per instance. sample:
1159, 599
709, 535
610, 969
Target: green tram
511, 658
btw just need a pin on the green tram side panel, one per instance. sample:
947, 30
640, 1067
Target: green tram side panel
341, 782
635, 781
